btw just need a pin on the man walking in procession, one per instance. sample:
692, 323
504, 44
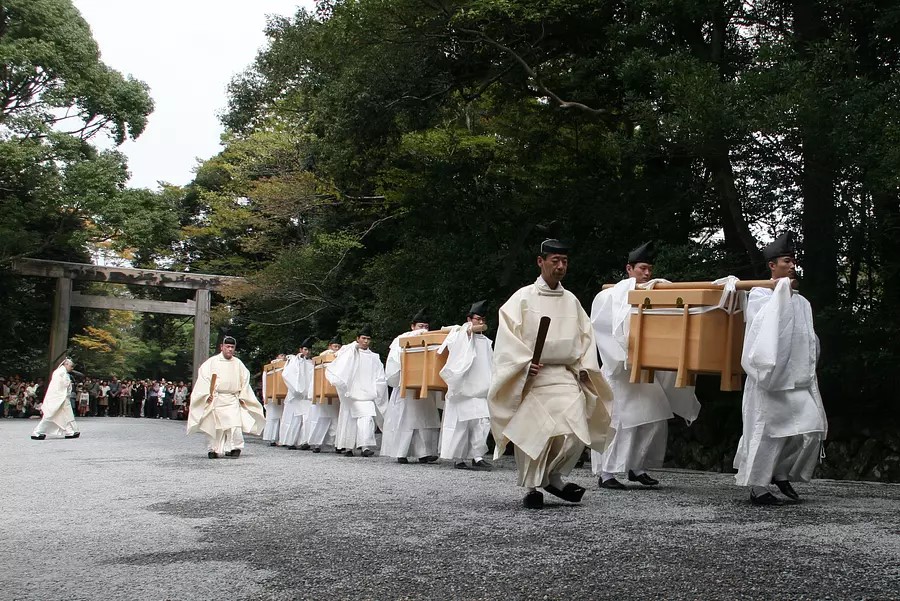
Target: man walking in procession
223, 404
550, 406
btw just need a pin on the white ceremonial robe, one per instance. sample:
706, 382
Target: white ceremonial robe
411, 426
58, 417
322, 420
638, 412
552, 416
467, 419
359, 379
297, 374
784, 419
273, 415
233, 410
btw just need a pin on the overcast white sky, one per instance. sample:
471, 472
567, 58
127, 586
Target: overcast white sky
186, 51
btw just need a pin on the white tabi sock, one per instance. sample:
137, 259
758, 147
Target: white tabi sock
606, 476
477, 459
758, 491
556, 481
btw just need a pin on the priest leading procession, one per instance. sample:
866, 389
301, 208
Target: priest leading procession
557, 384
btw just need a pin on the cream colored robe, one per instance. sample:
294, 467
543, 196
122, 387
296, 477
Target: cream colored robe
234, 403
532, 412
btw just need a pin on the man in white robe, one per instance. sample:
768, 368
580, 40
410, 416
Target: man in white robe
274, 409
551, 409
358, 376
467, 420
298, 377
225, 406
58, 417
784, 421
323, 417
640, 411
412, 426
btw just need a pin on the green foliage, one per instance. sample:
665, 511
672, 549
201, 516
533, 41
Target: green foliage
447, 140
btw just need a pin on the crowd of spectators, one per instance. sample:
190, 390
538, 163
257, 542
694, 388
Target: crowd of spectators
98, 397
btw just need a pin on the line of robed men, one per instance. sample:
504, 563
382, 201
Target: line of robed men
553, 408
412, 428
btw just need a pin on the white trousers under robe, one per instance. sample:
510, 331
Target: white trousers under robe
357, 433
468, 439
46, 426
635, 449
559, 456
790, 458
421, 442
322, 425
273, 422
294, 436
225, 440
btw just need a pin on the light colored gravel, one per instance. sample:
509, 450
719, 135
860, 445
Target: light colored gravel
135, 510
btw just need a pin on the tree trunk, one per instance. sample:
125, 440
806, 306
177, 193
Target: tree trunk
817, 181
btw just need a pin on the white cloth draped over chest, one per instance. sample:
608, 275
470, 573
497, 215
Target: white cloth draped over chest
781, 395
359, 379
529, 411
234, 403
467, 374
640, 403
56, 407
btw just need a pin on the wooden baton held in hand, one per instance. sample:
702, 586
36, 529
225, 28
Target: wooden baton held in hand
541, 338
212, 388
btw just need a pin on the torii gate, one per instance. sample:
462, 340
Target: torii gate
66, 298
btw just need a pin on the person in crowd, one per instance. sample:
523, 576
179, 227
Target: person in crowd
84, 400
151, 406
181, 394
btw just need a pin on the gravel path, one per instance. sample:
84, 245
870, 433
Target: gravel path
135, 510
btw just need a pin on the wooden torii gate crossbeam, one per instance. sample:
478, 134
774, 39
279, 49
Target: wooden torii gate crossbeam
66, 298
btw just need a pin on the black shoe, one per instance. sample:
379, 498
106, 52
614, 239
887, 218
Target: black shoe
403, 460
304, 447
579, 463
348, 453
368, 452
212, 455
428, 459
462, 465
77, 434
765, 499
273, 444
234, 453
786, 489
292, 447
644, 479
38, 437
533, 500
317, 449
612, 484
337, 450
571, 492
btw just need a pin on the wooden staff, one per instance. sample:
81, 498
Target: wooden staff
212, 388
741, 285
541, 338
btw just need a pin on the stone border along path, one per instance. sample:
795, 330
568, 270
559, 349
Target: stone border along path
135, 510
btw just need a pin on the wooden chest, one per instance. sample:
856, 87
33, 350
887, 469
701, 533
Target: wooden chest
420, 363
681, 330
324, 392
276, 389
